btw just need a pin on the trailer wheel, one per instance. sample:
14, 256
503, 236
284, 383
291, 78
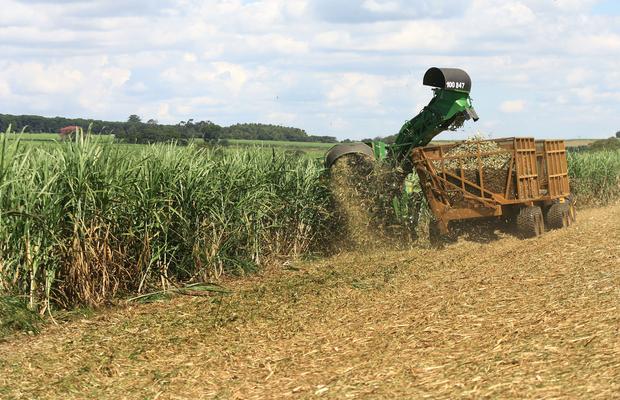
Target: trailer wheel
530, 221
559, 215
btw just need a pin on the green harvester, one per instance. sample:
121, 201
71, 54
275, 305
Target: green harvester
447, 110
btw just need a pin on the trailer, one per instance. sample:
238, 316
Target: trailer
531, 185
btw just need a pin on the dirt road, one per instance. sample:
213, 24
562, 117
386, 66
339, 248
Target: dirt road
537, 318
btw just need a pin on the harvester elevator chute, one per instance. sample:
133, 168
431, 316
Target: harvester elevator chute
447, 110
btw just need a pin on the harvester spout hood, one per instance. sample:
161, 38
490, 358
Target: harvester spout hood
448, 79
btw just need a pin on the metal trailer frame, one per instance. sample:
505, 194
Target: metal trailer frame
537, 176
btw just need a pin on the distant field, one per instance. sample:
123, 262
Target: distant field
281, 143
313, 149
50, 137
37, 136
579, 142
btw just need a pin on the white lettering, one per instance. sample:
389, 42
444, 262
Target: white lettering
455, 85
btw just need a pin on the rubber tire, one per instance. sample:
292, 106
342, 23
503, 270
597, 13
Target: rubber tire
530, 222
558, 215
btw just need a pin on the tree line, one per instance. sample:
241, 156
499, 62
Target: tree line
134, 130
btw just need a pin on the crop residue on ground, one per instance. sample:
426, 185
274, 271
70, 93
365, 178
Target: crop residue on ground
509, 319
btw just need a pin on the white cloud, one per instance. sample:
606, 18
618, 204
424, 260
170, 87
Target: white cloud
5, 90
14, 13
355, 11
222, 75
277, 43
357, 89
577, 76
602, 43
190, 57
381, 6
358, 64
281, 118
417, 35
38, 78
115, 76
512, 106
333, 39
163, 112
505, 13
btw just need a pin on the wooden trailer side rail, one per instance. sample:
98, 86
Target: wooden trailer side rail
556, 168
526, 169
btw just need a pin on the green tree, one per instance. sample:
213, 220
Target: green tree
606, 144
134, 119
210, 132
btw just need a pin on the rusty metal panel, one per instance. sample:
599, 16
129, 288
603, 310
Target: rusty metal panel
526, 169
556, 168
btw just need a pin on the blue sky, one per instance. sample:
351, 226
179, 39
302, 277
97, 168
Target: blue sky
351, 69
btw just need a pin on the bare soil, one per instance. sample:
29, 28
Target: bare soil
509, 318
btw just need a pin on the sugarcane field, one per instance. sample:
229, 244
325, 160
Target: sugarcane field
309, 199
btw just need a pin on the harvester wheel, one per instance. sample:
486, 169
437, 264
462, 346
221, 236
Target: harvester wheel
530, 221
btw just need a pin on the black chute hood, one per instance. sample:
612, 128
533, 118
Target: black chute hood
448, 78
